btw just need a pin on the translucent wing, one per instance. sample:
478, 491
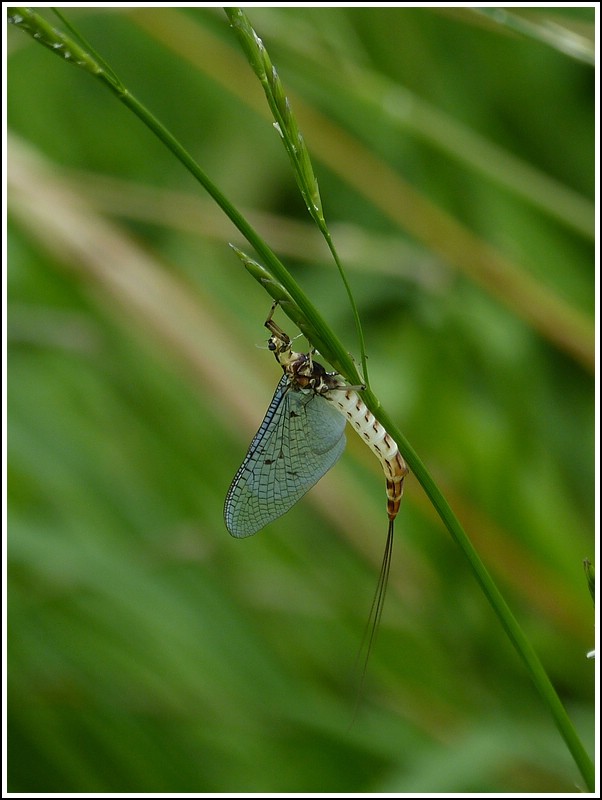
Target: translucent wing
300, 439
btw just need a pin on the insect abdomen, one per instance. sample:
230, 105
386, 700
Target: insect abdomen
350, 404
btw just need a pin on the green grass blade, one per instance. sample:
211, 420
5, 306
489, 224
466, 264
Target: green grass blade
294, 144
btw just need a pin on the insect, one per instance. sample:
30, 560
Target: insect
301, 437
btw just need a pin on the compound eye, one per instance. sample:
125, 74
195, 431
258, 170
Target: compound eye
271, 344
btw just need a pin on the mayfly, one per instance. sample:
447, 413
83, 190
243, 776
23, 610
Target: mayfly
300, 439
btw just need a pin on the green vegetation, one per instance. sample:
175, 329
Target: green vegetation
148, 650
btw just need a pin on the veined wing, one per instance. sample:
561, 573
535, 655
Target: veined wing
300, 439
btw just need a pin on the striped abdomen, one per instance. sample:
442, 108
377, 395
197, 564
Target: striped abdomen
350, 404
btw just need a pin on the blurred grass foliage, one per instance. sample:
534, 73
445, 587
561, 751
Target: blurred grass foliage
151, 652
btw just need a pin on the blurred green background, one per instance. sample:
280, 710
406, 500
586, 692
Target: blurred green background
148, 650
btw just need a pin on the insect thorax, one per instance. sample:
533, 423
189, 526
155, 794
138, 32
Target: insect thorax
303, 372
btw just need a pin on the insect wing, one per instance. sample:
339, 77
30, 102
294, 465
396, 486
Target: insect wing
300, 439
